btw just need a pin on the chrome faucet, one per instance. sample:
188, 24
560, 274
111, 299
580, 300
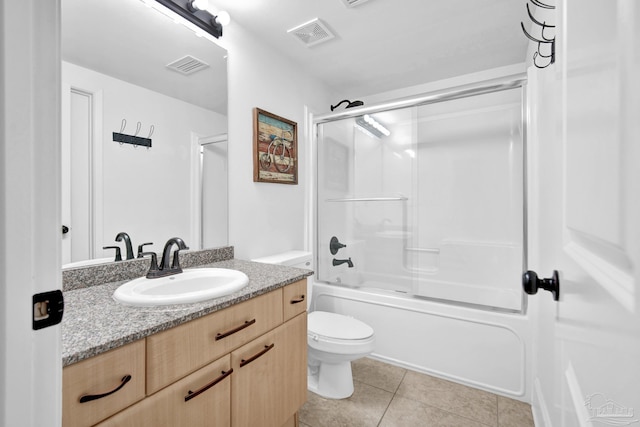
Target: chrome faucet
342, 261
127, 242
166, 267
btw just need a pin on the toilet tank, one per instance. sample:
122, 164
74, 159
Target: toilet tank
300, 259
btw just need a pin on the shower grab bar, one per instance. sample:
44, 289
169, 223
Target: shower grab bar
370, 199
430, 250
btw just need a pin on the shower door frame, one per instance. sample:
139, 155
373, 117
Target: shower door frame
512, 81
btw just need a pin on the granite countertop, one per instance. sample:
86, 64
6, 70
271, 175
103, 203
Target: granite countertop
94, 322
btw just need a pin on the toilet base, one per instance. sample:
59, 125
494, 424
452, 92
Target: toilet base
331, 380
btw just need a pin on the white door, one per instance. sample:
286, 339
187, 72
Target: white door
587, 345
30, 360
77, 175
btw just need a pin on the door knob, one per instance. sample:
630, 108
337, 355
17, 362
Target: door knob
65, 229
531, 283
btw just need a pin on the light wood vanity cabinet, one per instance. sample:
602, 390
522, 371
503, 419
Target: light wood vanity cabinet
245, 365
176, 352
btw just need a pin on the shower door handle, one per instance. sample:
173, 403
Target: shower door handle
531, 283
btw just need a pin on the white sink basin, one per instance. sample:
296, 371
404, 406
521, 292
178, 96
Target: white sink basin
192, 285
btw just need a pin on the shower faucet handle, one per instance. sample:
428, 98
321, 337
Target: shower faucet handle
335, 245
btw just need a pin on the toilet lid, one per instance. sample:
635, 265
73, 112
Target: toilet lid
333, 325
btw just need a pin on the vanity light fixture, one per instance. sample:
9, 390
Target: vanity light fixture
371, 126
200, 14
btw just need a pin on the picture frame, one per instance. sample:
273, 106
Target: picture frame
275, 148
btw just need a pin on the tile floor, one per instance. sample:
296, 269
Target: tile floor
390, 396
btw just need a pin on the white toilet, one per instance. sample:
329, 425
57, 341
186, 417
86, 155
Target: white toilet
334, 340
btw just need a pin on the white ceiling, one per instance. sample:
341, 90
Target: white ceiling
382, 45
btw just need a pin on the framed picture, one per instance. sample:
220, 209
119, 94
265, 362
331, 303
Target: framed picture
275, 148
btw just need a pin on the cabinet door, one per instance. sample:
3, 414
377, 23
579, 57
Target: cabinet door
201, 399
269, 383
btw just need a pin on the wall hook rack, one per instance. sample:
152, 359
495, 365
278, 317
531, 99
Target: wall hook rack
134, 139
546, 45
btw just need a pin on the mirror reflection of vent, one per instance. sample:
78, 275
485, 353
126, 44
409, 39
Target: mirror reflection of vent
187, 65
352, 3
312, 33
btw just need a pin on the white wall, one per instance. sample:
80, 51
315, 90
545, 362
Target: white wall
145, 192
266, 218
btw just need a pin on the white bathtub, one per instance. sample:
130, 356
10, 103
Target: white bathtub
481, 348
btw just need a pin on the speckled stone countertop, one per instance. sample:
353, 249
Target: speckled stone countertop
94, 322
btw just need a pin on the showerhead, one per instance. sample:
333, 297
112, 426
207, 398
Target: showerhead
349, 105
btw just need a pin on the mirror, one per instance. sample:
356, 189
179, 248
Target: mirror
115, 80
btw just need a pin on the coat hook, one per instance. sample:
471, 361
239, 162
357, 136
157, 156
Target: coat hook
123, 125
150, 132
138, 126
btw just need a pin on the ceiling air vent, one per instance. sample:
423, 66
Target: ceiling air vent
187, 65
352, 3
312, 33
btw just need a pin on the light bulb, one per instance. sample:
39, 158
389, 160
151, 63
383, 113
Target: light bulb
222, 18
200, 4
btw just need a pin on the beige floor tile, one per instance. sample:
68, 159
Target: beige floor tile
409, 413
363, 409
513, 413
455, 398
377, 374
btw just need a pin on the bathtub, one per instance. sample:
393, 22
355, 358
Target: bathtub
476, 347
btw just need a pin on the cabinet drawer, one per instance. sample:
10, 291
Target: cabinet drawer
200, 399
294, 299
174, 353
84, 383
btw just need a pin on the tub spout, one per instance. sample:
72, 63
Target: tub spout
342, 261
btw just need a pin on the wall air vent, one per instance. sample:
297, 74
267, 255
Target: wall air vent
312, 33
187, 65
352, 3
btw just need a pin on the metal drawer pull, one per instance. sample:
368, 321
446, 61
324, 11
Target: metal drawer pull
90, 397
191, 394
246, 324
244, 362
297, 300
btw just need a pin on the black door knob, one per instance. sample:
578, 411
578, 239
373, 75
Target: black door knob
531, 283
65, 229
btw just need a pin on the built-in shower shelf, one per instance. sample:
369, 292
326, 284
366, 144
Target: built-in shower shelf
370, 199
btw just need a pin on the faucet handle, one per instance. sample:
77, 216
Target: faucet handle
335, 245
118, 253
153, 268
140, 253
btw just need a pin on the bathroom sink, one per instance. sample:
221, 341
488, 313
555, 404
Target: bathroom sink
192, 285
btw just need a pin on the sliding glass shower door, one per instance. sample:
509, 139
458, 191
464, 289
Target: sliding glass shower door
427, 200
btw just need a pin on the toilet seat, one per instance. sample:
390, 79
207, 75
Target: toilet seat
337, 336
337, 327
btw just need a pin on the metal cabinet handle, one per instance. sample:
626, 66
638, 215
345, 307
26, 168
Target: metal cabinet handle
297, 300
191, 394
90, 397
246, 324
244, 362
